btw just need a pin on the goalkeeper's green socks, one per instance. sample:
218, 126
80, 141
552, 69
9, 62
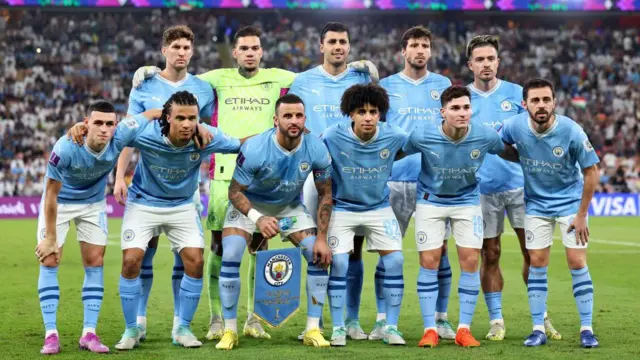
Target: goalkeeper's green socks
214, 263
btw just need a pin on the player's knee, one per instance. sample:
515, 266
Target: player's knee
94, 261
131, 265
49, 261
538, 258
468, 260
429, 261
576, 262
491, 251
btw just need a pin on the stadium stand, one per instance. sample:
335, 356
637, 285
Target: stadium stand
54, 64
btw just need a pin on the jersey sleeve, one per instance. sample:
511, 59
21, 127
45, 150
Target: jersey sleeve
322, 164
506, 132
128, 129
206, 111
582, 149
400, 137
411, 146
246, 166
59, 160
135, 103
221, 143
517, 98
496, 146
211, 77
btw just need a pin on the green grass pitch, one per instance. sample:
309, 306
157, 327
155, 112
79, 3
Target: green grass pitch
614, 255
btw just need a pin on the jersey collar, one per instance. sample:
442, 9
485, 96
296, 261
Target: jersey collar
547, 132
485, 93
364, 143
455, 142
170, 144
171, 83
285, 151
411, 81
97, 155
332, 77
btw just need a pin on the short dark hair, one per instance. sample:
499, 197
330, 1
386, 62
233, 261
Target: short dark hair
335, 27
101, 106
288, 99
246, 31
179, 98
416, 32
537, 84
176, 33
481, 41
359, 95
454, 92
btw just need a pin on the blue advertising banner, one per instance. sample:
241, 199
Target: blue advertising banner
277, 286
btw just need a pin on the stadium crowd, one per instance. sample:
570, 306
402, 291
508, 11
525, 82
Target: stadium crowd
55, 64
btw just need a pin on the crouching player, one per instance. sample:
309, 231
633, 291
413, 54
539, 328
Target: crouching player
270, 172
74, 191
363, 152
161, 197
448, 189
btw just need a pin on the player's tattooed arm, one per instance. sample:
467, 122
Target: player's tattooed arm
325, 204
510, 153
237, 197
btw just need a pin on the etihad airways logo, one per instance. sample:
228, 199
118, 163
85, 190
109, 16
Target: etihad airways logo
247, 104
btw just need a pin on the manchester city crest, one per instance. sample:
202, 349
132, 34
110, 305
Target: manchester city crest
304, 166
194, 156
234, 215
475, 153
435, 95
505, 105
267, 86
128, 235
529, 236
384, 153
422, 237
333, 242
278, 270
558, 151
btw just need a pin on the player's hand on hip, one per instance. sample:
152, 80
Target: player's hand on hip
77, 133
579, 224
321, 254
268, 226
202, 137
47, 248
143, 74
367, 67
120, 191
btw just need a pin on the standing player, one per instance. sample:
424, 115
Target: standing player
414, 97
363, 153
448, 190
321, 89
161, 197
550, 146
271, 170
501, 183
177, 48
244, 106
74, 191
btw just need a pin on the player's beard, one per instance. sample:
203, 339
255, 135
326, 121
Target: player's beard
546, 119
416, 66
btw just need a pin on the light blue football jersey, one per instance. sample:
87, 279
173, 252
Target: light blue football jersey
276, 176
156, 91
553, 183
491, 108
448, 175
322, 93
412, 102
166, 175
82, 171
361, 169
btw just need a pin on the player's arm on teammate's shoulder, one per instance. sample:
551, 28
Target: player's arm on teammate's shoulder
49, 246
510, 153
142, 74
367, 67
402, 139
412, 143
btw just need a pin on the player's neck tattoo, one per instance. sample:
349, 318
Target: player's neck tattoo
247, 74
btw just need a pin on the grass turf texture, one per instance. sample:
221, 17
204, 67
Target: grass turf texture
613, 262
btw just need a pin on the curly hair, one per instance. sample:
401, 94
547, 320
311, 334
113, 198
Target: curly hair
359, 95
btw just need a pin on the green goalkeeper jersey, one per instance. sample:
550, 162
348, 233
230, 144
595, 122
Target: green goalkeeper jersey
243, 107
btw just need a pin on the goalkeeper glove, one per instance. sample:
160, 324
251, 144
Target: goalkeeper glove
142, 74
367, 67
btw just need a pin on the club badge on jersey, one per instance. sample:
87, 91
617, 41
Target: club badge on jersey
277, 285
